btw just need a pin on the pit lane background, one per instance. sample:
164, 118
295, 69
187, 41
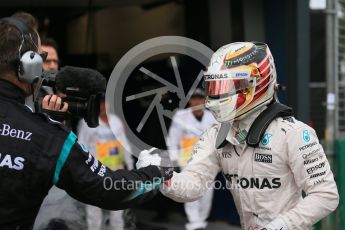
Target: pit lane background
295, 33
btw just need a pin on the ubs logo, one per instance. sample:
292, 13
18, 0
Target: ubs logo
226, 154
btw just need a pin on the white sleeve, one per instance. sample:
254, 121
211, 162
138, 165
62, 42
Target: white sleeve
198, 176
174, 138
312, 173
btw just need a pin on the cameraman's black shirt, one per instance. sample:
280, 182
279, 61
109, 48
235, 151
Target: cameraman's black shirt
36, 152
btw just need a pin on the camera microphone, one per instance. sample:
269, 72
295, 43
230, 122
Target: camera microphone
49, 78
82, 87
80, 81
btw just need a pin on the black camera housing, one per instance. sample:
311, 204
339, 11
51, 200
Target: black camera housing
83, 99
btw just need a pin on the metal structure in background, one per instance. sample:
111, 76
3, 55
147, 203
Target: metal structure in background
331, 73
341, 63
335, 114
339, 18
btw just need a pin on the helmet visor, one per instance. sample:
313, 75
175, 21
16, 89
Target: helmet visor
224, 88
227, 87
224, 83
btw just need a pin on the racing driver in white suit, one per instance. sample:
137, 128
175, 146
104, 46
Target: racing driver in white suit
267, 180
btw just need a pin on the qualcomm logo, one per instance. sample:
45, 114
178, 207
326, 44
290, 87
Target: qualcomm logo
306, 136
266, 139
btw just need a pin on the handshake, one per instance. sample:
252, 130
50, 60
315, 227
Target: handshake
158, 158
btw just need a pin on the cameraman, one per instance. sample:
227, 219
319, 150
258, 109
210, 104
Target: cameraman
36, 153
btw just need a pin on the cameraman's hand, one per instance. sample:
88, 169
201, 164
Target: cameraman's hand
53, 102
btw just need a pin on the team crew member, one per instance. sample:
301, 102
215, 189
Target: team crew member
267, 156
185, 130
36, 153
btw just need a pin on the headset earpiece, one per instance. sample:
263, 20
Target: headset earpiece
30, 67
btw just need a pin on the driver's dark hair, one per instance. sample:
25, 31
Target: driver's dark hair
10, 40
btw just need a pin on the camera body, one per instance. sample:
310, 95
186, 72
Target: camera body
81, 91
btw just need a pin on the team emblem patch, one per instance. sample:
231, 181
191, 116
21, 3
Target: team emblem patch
266, 139
306, 136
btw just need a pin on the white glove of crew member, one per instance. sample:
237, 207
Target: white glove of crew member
160, 159
276, 224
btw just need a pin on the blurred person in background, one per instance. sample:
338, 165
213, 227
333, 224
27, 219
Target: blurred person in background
49, 45
51, 63
113, 150
186, 128
267, 156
